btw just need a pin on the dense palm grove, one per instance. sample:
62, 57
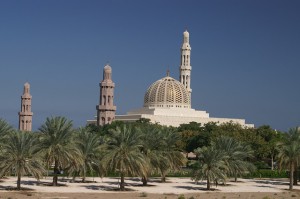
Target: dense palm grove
145, 150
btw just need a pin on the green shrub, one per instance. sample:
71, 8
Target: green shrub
181, 197
266, 173
182, 173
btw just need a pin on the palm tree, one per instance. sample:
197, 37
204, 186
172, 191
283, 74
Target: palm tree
5, 128
153, 146
237, 155
159, 146
211, 165
58, 144
289, 152
123, 153
21, 153
173, 158
89, 144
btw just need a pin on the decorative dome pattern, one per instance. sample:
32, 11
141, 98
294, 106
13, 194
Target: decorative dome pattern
167, 92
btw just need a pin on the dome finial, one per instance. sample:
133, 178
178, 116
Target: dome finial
168, 73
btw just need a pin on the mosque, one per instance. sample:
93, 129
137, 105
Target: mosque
167, 101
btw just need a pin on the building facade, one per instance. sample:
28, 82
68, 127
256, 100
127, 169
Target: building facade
168, 101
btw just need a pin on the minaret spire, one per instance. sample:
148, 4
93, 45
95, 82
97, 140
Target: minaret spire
25, 115
185, 65
106, 109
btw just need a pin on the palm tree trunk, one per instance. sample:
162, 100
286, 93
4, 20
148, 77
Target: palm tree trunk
74, 177
122, 183
19, 182
208, 184
295, 182
163, 178
84, 174
145, 181
291, 175
55, 173
235, 176
272, 162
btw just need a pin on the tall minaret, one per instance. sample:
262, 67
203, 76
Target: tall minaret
185, 65
25, 115
106, 109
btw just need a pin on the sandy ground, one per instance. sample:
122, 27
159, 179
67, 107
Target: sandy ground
106, 188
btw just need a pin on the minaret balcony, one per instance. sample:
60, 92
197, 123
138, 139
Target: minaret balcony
106, 107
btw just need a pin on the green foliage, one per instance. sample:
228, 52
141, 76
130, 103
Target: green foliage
267, 173
123, 153
289, 152
21, 153
143, 121
261, 165
211, 165
89, 146
159, 147
193, 135
192, 126
237, 155
145, 149
5, 128
57, 143
181, 196
181, 173
224, 157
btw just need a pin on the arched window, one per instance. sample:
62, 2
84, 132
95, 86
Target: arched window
104, 100
108, 100
187, 80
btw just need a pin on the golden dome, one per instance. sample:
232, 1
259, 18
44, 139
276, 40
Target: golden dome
168, 93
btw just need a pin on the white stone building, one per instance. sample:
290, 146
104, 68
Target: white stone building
168, 101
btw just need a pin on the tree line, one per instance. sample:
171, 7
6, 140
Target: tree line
126, 149
143, 149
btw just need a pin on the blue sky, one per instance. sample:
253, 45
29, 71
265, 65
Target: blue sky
245, 55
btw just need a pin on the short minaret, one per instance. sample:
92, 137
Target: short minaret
106, 109
25, 115
185, 65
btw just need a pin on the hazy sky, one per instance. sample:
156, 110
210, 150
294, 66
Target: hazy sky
245, 56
